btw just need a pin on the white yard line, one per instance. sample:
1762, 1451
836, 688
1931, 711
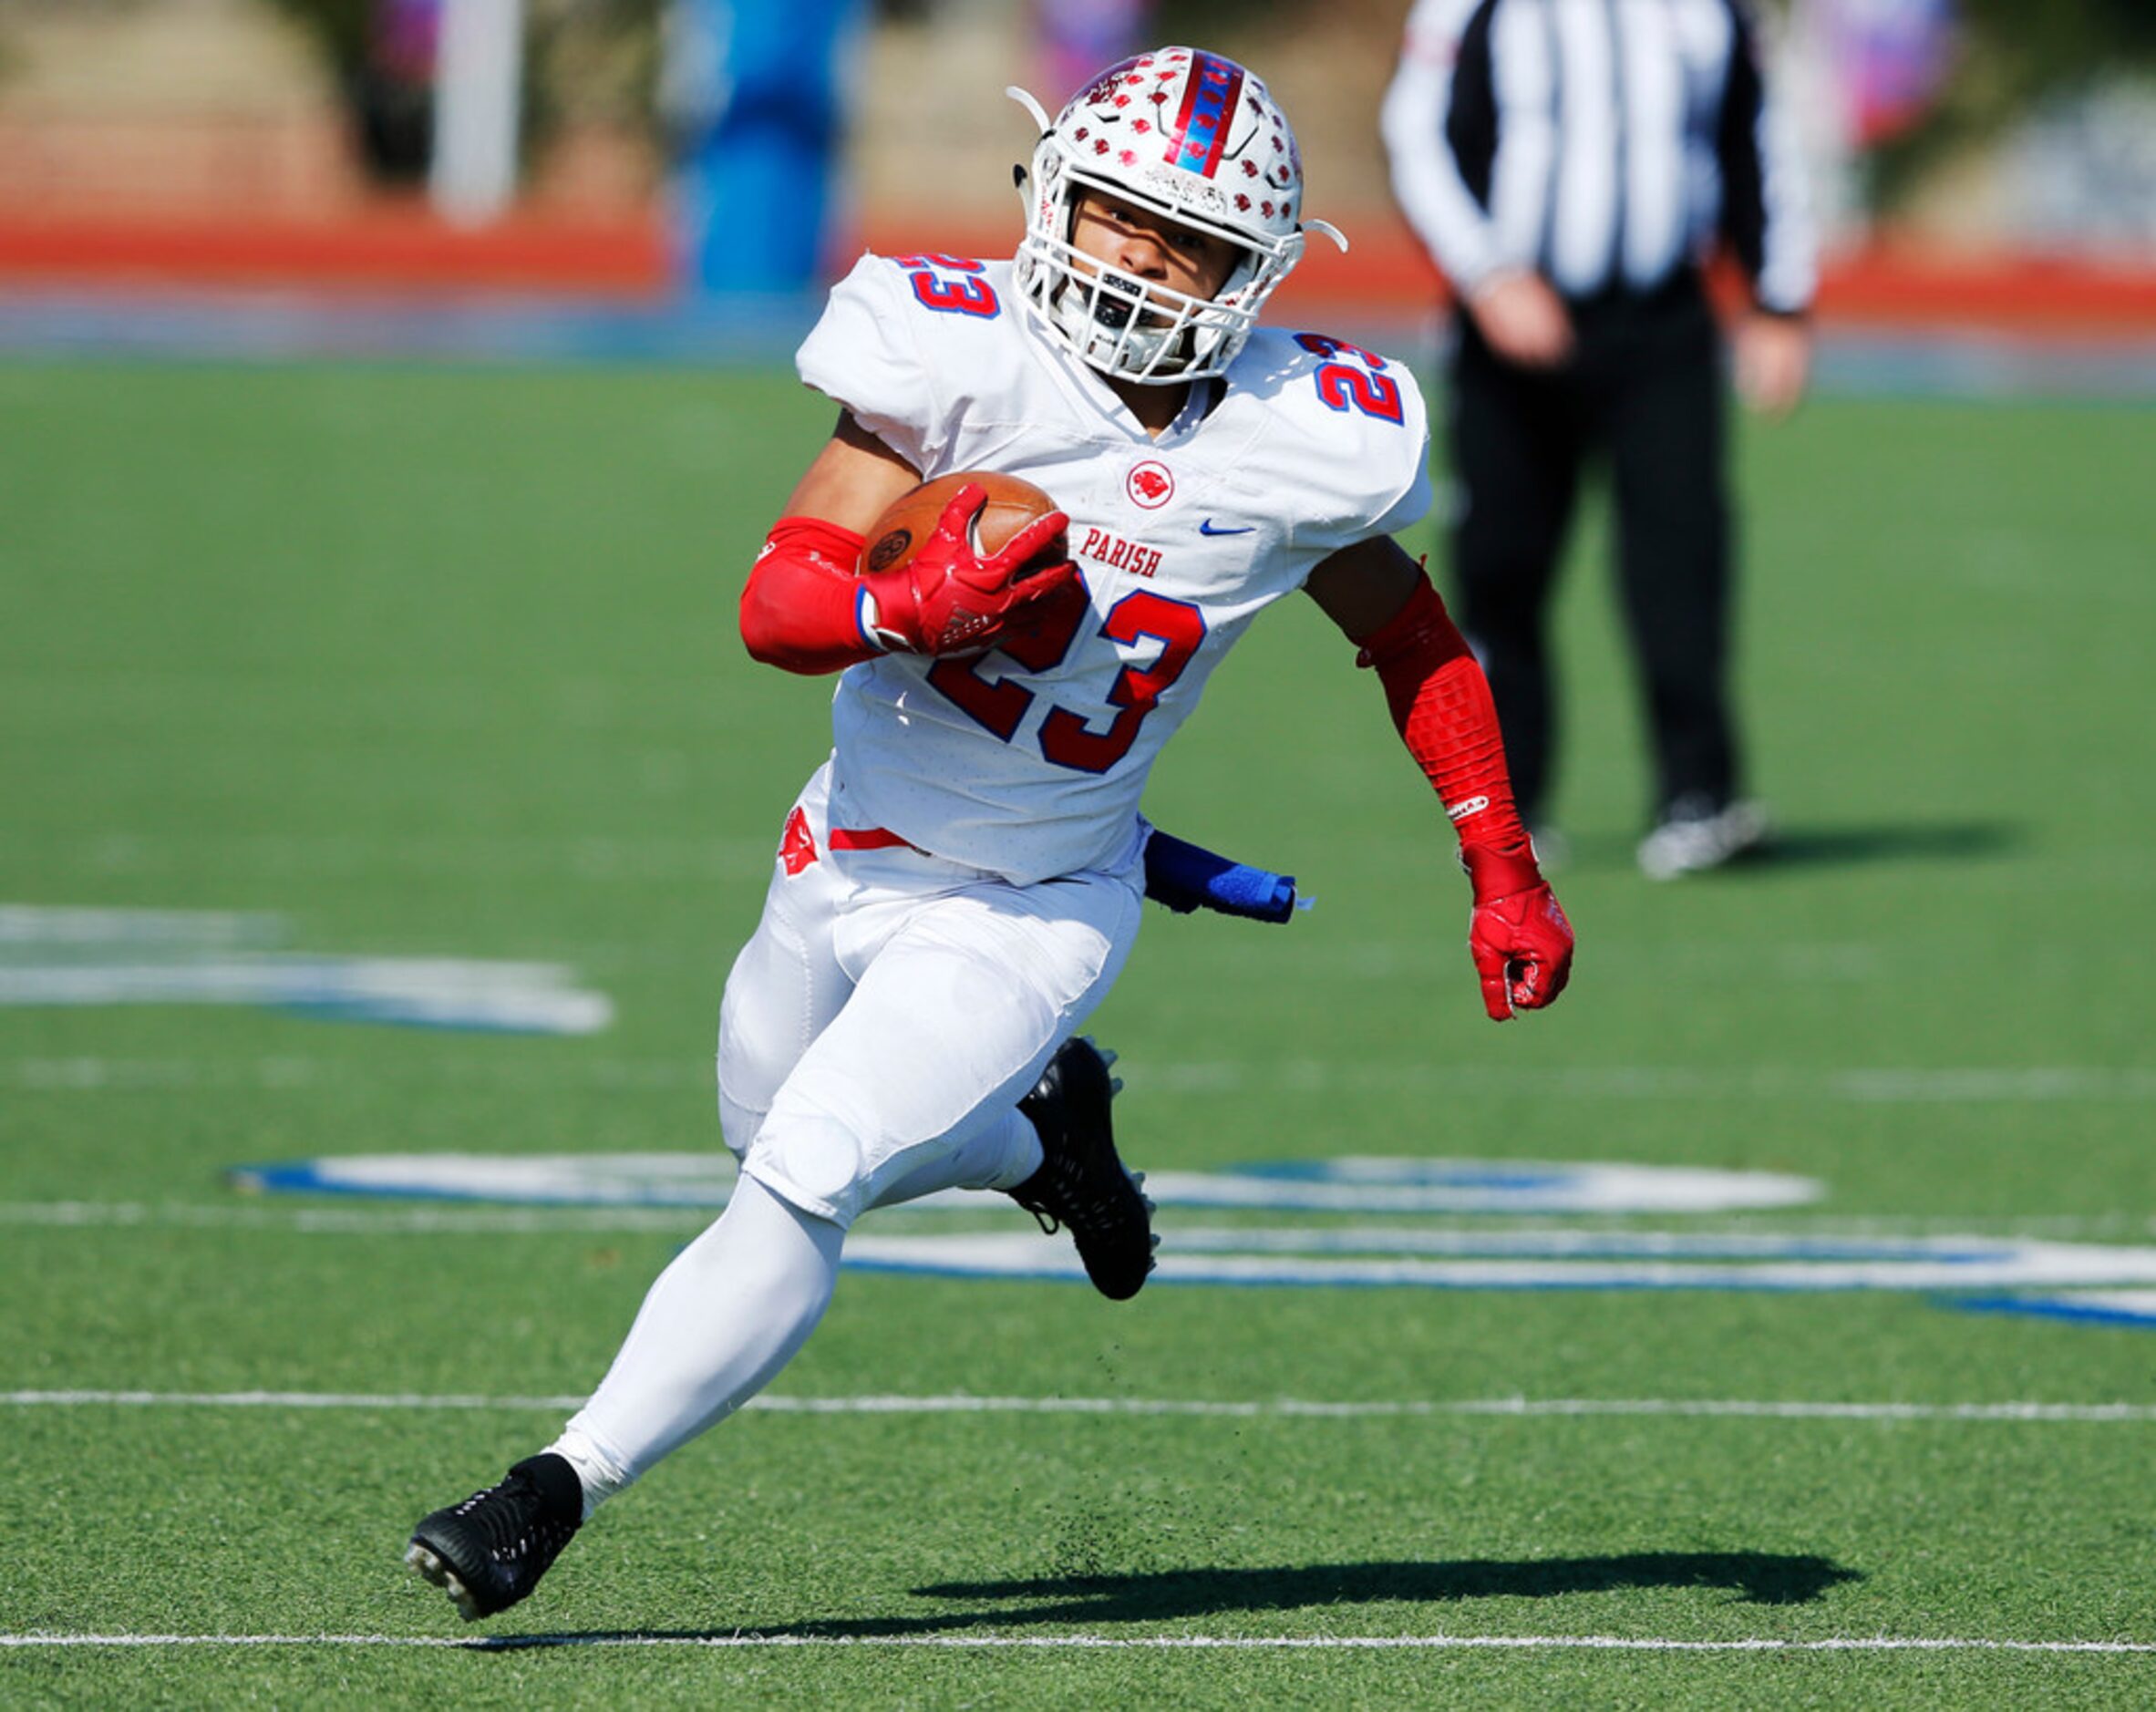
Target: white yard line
1276, 1408
1114, 1642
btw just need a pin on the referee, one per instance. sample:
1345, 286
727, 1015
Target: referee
1569, 164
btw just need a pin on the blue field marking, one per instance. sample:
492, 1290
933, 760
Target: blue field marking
1963, 364
258, 325
700, 1180
304, 1176
1540, 1260
412, 993
56, 956
331, 1008
1354, 1185
1570, 1244
1421, 1173
2095, 1309
1410, 1251
300, 1177
287, 326
1360, 1184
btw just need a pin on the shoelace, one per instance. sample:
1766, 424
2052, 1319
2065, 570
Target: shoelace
1102, 1209
511, 1534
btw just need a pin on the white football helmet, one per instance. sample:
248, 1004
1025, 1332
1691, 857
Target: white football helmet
1191, 136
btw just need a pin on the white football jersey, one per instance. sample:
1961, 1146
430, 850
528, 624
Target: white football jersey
1029, 761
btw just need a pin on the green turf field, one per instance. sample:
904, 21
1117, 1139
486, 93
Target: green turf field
436, 664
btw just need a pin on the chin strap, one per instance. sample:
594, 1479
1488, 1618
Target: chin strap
805, 609
1440, 702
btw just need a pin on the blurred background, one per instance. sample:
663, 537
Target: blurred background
381, 777
1980, 166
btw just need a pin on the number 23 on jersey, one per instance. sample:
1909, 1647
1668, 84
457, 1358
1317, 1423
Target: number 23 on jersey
1354, 380
1066, 739
935, 287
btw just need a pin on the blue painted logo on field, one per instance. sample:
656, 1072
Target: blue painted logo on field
1555, 1259
2085, 1307
1409, 1250
1326, 1186
109, 956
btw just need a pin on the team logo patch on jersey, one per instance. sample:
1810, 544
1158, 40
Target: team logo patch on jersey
1150, 484
1118, 553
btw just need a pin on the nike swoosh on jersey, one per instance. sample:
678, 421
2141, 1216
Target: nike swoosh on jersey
1207, 527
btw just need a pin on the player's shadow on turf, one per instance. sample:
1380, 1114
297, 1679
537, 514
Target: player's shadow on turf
1802, 846
1840, 845
1756, 1577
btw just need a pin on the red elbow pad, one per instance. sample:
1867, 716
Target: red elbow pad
802, 610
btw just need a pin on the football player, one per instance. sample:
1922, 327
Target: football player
960, 885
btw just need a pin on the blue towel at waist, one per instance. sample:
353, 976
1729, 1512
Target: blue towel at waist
1185, 878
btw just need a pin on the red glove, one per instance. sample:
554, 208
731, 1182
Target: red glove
949, 600
1517, 933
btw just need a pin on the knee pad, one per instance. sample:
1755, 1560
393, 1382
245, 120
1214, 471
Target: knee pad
813, 1162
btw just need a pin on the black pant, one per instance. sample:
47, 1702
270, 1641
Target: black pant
1645, 386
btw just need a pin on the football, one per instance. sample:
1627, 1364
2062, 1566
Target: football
910, 519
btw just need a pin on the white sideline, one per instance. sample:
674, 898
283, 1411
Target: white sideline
1108, 1643
1279, 1407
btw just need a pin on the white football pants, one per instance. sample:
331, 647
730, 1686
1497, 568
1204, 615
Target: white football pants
892, 1005
877, 1033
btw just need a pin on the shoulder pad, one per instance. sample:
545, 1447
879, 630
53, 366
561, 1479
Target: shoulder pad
1352, 427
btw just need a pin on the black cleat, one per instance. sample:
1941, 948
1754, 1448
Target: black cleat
1081, 1184
490, 1551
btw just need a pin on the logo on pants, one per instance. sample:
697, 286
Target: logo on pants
797, 844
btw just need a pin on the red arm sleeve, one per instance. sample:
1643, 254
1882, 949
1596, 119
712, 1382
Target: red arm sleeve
1440, 702
802, 608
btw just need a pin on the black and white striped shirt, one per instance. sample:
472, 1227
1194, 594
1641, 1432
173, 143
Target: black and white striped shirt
1602, 144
